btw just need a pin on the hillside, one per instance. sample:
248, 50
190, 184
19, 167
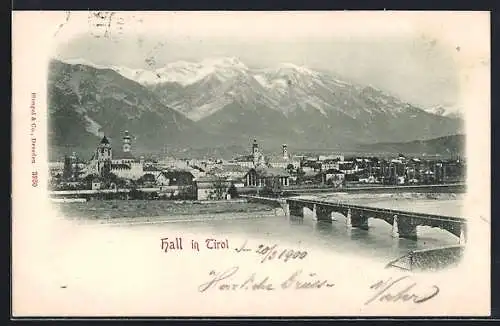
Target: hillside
449, 145
292, 104
85, 103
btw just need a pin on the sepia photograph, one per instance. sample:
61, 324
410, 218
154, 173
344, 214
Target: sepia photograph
251, 163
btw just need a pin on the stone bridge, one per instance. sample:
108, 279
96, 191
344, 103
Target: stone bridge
404, 224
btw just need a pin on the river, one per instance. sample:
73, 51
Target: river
375, 243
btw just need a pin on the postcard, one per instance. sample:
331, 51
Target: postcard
250, 163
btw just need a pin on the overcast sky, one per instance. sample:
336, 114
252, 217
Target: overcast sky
400, 55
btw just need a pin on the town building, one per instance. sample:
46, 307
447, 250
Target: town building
256, 158
180, 178
96, 184
310, 165
228, 171
257, 155
266, 176
333, 177
176, 184
212, 188
348, 167
308, 177
245, 161
330, 163
122, 163
56, 168
331, 157
100, 163
283, 161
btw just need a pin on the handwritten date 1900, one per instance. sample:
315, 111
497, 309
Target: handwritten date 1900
272, 252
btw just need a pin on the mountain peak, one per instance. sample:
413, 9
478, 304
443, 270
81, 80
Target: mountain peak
301, 69
80, 61
446, 111
224, 62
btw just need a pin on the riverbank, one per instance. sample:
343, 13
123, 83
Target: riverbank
390, 196
143, 209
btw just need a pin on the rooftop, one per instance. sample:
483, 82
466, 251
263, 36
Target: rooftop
280, 159
229, 168
120, 166
272, 172
121, 155
104, 140
244, 158
151, 168
170, 173
333, 171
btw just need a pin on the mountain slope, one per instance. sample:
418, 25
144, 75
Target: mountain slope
447, 111
290, 103
448, 145
85, 103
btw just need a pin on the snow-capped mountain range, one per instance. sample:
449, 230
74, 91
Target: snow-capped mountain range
277, 86
181, 72
285, 103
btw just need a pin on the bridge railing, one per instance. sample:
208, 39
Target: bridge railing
380, 210
342, 204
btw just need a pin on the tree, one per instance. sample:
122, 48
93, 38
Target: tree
68, 168
147, 178
300, 175
111, 178
267, 161
233, 191
77, 171
88, 180
272, 187
106, 169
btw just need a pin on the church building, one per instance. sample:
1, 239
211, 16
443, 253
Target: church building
122, 163
253, 160
284, 160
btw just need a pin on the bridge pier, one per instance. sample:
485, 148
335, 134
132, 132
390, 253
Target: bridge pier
395, 229
295, 209
324, 213
359, 220
463, 235
356, 219
286, 208
314, 212
404, 228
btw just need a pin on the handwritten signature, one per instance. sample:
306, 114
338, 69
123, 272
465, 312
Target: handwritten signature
272, 252
401, 289
299, 280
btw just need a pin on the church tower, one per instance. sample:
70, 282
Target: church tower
284, 151
126, 142
103, 156
255, 152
